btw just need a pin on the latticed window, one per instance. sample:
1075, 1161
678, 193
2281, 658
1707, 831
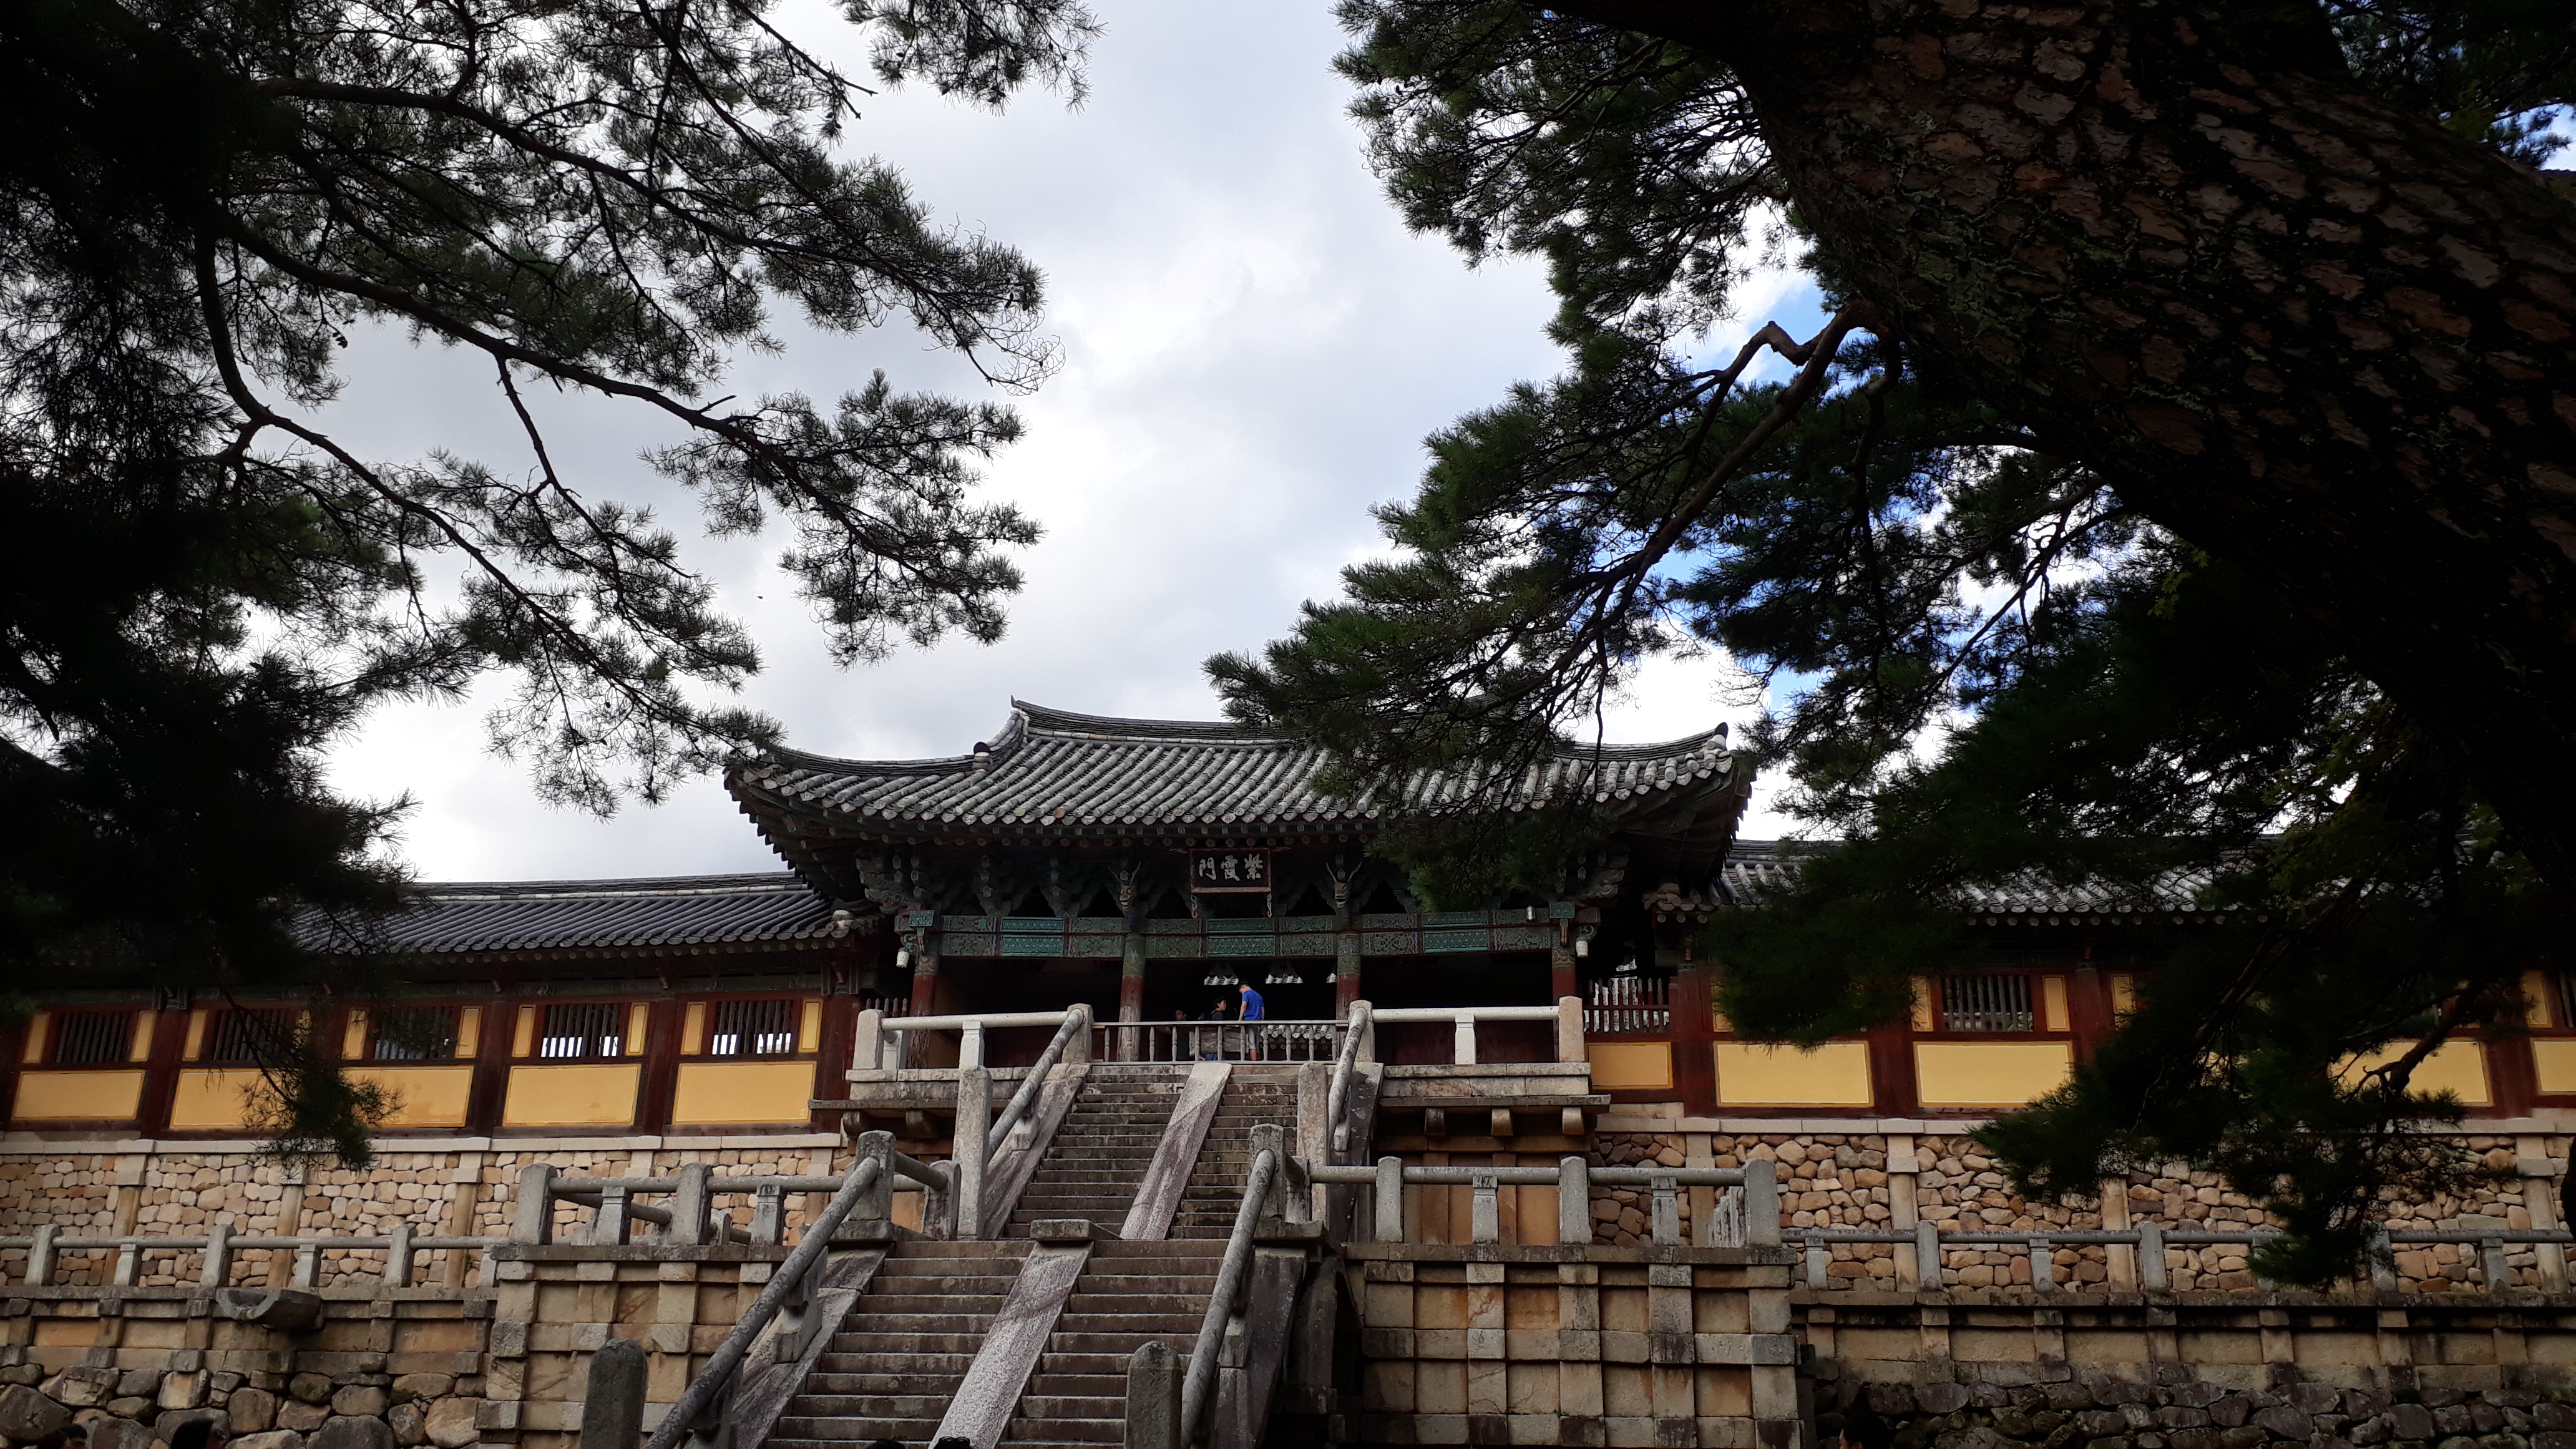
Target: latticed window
241, 1038
595, 1029
1985, 1003
87, 1038
413, 1034
753, 1029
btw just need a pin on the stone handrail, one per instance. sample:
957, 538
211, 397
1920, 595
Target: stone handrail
693, 1190
2148, 1241
699, 1413
867, 1049
1345, 1067
1077, 1027
1567, 1013
1573, 1179
219, 1243
1260, 1187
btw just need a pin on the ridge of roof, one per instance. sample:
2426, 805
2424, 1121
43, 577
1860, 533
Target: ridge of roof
737, 883
1029, 721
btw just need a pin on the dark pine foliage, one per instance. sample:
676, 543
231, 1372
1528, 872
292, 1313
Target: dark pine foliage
200, 588
1985, 665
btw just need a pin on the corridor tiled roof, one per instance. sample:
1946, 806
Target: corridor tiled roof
1081, 775
674, 913
1754, 867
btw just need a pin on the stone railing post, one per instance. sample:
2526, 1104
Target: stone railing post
1389, 1201
967, 1143
532, 1217
970, 1046
1927, 1254
1569, 1030
768, 1214
2043, 1266
867, 1047
398, 1257
2151, 1257
876, 1205
1762, 1203
1465, 1047
218, 1269
1666, 1219
1485, 1217
1573, 1202
691, 1206
612, 1404
1153, 1398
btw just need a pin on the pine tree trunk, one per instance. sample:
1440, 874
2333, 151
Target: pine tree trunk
2329, 342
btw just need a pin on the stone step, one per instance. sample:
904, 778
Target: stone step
1044, 1408
1066, 1431
980, 1304
914, 1405
1102, 1367
1143, 1325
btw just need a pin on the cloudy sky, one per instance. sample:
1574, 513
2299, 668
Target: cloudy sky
1253, 350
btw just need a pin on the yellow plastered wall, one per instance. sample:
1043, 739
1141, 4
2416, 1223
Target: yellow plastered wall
1632, 1065
140, 1048
708, 1093
469, 1032
809, 1027
2554, 1059
526, 1039
1754, 1074
2544, 1006
195, 1047
639, 1016
423, 1096
353, 1037
2052, 1004
573, 1096
2124, 994
212, 1100
77, 1096
2456, 1066
1922, 1003
1989, 1074
37, 1026
693, 1029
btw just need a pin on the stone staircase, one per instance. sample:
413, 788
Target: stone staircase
1102, 1148
896, 1365
1254, 1094
897, 1359
1129, 1294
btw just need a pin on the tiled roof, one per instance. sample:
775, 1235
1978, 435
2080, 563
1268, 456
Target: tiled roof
1754, 867
676, 913
1064, 774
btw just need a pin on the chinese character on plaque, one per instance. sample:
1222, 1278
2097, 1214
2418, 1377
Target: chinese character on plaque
1219, 872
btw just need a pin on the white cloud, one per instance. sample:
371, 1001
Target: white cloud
1253, 350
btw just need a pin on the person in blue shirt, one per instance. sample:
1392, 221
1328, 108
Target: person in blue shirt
1251, 1004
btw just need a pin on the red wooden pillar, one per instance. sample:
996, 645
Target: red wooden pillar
2088, 1010
161, 1070
499, 1030
1891, 1069
661, 1067
1694, 1039
2512, 1079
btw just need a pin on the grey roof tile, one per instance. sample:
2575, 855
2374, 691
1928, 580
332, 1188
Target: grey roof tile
1050, 769
1754, 867
669, 913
